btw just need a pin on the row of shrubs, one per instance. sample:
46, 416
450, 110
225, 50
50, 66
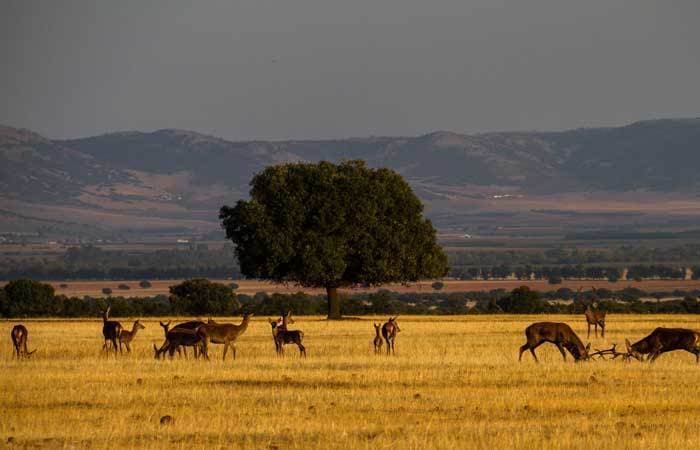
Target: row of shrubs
200, 297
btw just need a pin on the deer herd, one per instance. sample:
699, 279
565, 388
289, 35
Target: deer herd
199, 335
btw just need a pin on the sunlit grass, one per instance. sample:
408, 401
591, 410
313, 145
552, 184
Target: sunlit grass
455, 383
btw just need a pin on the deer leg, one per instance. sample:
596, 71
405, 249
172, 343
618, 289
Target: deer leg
561, 350
225, 349
589, 330
522, 349
302, 350
602, 329
114, 344
128, 347
233, 348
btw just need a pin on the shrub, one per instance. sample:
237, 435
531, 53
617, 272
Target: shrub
63, 285
124, 287
554, 279
106, 291
145, 284
438, 285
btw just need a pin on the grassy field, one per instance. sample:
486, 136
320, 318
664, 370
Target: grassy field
455, 382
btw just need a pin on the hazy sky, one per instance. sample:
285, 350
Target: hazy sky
325, 68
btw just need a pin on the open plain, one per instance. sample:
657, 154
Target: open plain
455, 382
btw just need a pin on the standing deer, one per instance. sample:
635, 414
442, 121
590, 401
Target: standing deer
389, 330
191, 325
595, 317
559, 334
184, 337
663, 340
227, 333
125, 337
377, 338
111, 329
282, 337
19, 335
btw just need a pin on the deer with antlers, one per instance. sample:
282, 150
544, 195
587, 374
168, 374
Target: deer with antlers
126, 336
282, 336
559, 334
111, 329
389, 331
377, 338
19, 335
227, 333
663, 340
594, 317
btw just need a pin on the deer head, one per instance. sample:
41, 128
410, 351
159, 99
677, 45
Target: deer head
138, 325
631, 352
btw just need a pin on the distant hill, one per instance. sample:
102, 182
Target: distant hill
183, 175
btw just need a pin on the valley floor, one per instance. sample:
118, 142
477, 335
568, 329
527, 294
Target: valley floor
455, 382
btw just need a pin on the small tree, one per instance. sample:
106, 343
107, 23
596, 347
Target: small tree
522, 300
124, 287
438, 285
200, 296
554, 279
234, 286
145, 284
27, 298
107, 291
333, 226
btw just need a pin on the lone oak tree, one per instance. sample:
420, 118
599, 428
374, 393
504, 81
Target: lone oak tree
332, 226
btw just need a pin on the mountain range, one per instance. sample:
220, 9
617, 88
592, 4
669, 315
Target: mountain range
176, 179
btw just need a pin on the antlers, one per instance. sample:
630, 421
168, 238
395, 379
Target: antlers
601, 354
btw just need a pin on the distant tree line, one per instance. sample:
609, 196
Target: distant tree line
200, 297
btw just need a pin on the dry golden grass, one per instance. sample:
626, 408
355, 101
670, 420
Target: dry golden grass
454, 383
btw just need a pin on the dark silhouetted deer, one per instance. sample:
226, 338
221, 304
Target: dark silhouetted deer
111, 329
663, 340
559, 334
227, 333
377, 338
19, 335
184, 337
282, 337
389, 330
125, 337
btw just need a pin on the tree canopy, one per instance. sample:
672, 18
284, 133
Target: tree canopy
200, 296
333, 225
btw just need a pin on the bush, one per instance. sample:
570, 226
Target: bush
106, 291
27, 298
124, 287
145, 284
438, 285
554, 279
234, 286
63, 285
200, 296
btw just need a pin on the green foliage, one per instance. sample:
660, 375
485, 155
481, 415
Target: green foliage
200, 296
554, 279
107, 291
145, 284
124, 287
522, 300
328, 225
26, 298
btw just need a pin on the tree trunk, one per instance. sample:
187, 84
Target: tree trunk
333, 303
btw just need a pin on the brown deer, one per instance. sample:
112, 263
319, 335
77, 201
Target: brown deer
377, 338
594, 317
559, 334
111, 329
183, 337
19, 335
663, 340
191, 325
126, 336
389, 330
227, 333
282, 337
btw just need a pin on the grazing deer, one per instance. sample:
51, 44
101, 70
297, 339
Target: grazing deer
559, 334
663, 340
377, 338
595, 317
184, 337
19, 336
282, 337
389, 330
125, 337
111, 329
227, 333
191, 325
